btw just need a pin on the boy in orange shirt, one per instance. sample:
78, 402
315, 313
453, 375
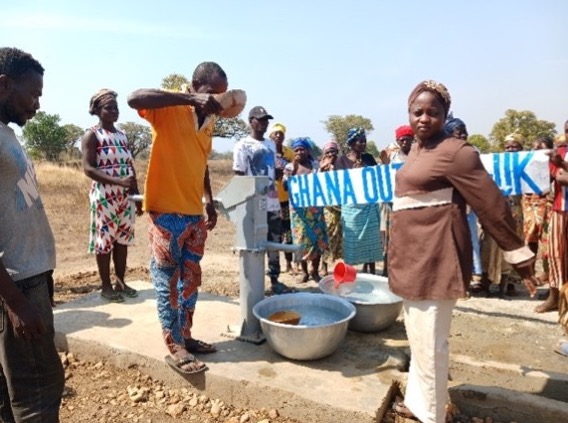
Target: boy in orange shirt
177, 181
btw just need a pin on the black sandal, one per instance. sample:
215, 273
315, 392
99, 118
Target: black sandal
196, 346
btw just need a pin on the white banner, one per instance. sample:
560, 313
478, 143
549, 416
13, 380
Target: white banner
514, 174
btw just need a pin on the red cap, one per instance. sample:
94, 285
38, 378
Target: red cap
404, 131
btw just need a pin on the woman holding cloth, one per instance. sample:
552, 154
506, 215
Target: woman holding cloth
332, 214
430, 253
308, 223
359, 222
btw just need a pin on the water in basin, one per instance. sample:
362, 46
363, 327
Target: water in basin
317, 316
366, 289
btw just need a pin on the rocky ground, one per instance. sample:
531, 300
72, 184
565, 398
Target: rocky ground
97, 392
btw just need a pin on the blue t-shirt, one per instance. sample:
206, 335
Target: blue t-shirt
258, 158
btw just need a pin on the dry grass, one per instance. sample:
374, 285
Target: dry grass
65, 193
221, 172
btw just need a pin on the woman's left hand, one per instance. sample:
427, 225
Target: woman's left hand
526, 272
531, 283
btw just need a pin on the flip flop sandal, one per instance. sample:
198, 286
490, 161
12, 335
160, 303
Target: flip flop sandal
115, 297
128, 292
477, 287
562, 348
196, 346
177, 364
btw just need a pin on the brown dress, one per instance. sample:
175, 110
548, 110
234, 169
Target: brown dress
430, 250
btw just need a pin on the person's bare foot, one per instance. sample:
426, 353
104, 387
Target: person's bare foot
550, 304
402, 410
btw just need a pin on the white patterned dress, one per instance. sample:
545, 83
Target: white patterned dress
112, 214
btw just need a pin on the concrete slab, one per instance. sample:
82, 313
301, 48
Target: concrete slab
350, 385
354, 384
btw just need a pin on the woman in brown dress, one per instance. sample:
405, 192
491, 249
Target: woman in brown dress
430, 252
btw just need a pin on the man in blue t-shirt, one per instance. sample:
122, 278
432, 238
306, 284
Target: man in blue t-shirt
256, 156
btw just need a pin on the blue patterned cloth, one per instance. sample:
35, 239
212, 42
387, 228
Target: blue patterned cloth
353, 134
303, 142
361, 240
177, 243
453, 123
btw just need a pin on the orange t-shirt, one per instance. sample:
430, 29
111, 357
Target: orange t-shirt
178, 160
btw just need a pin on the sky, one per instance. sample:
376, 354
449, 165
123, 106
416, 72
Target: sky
304, 60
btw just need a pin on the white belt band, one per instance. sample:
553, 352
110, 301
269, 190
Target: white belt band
429, 199
518, 256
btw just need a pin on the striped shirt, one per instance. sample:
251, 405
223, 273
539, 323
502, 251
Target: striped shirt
560, 191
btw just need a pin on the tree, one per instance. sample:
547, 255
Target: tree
72, 134
525, 122
480, 142
339, 125
174, 82
139, 137
230, 128
224, 127
44, 137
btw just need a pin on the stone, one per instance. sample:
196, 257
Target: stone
215, 408
175, 410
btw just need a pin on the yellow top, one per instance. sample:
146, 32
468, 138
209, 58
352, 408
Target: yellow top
178, 160
288, 156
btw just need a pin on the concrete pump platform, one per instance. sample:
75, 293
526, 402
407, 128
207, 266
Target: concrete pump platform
352, 385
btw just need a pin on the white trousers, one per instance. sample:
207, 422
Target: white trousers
428, 328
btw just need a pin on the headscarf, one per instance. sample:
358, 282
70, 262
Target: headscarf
403, 131
99, 98
452, 123
436, 88
277, 127
353, 134
515, 137
304, 142
330, 145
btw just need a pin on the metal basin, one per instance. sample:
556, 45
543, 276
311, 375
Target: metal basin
377, 307
322, 327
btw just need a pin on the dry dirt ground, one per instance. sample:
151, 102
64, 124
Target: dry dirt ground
494, 341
